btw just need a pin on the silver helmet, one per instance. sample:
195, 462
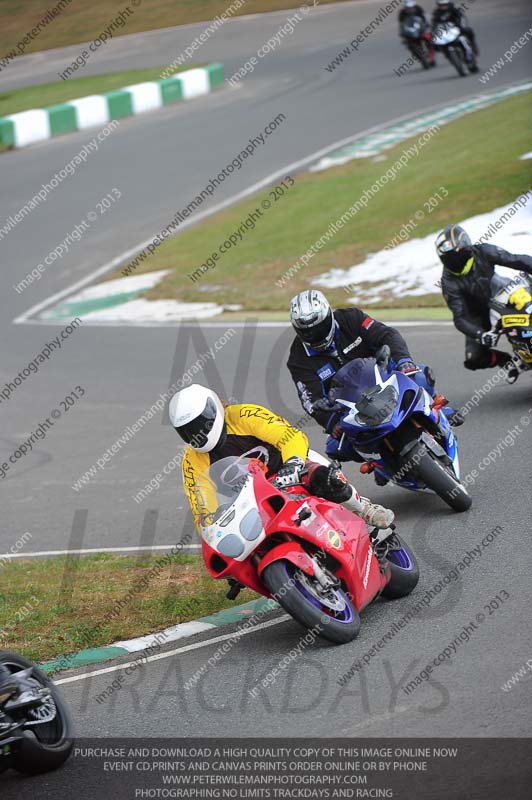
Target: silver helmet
312, 319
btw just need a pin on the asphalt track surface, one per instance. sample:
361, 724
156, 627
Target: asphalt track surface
159, 162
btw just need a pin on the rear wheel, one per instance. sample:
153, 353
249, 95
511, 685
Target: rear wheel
329, 612
47, 729
403, 567
441, 480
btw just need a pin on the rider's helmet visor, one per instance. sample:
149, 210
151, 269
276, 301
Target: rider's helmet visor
196, 432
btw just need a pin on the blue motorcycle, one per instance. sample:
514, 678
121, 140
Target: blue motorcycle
391, 420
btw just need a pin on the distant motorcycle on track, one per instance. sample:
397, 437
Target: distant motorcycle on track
36, 732
456, 48
418, 39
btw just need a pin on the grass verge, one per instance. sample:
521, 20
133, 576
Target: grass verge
385, 314
475, 157
49, 94
56, 606
83, 22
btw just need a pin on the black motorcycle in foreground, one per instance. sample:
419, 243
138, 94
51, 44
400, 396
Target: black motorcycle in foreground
418, 39
456, 48
36, 732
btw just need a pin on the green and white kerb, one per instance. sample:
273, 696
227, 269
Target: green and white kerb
38, 124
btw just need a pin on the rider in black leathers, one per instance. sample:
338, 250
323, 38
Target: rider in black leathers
411, 8
325, 341
468, 270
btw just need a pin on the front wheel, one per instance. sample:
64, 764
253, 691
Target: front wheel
436, 477
473, 66
330, 612
404, 569
47, 730
456, 59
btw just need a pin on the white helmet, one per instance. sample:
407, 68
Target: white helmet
410, 3
312, 319
197, 414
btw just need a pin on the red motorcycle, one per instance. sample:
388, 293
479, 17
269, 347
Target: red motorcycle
316, 558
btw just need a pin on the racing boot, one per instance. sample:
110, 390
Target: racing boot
330, 482
373, 514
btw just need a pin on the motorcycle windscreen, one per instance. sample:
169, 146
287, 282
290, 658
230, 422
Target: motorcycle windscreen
376, 406
229, 519
351, 380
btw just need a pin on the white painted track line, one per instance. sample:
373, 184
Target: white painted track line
170, 653
95, 550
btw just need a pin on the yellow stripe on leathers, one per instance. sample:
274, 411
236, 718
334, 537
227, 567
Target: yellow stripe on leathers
245, 419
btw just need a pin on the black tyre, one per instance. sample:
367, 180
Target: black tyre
45, 746
294, 592
419, 52
434, 475
457, 61
404, 570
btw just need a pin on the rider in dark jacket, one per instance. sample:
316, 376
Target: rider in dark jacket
325, 341
448, 13
468, 270
412, 9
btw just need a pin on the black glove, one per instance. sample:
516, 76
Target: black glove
488, 339
406, 365
336, 479
328, 405
290, 472
336, 411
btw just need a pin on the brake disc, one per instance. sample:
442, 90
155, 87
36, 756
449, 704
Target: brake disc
328, 597
46, 711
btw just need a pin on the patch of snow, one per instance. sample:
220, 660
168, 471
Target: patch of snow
133, 283
413, 268
141, 310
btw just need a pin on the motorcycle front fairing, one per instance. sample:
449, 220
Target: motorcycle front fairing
231, 526
445, 35
410, 400
237, 519
405, 398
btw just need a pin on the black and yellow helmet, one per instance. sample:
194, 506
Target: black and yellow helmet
454, 248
